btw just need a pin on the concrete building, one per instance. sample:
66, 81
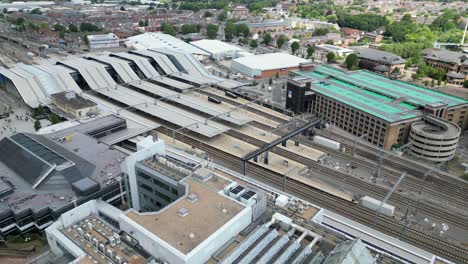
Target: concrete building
219, 50
267, 26
189, 228
454, 63
434, 139
379, 61
73, 104
103, 41
309, 24
267, 65
321, 52
64, 169
361, 102
239, 12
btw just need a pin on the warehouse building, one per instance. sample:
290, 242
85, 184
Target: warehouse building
219, 50
361, 102
267, 65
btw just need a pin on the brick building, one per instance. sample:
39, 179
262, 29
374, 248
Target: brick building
361, 102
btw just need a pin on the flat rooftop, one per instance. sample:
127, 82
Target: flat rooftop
270, 61
390, 100
91, 159
99, 230
205, 216
164, 169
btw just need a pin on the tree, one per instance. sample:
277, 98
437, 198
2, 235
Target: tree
432, 83
33, 26
270, 81
73, 28
310, 51
59, 28
321, 31
465, 83
37, 125
141, 23
281, 40
223, 15
208, 14
331, 57
211, 31
253, 44
122, 8
351, 61
89, 27
294, 47
277, 75
242, 30
43, 25
54, 119
244, 41
396, 71
168, 29
426, 83
229, 31
19, 21
439, 82
36, 11
188, 28
267, 39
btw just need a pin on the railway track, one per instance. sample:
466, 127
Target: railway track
434, 186
455, 191
415, 183
333, 203
373, 190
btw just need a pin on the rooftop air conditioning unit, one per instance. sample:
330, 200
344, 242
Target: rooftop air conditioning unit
117, 238
236, 192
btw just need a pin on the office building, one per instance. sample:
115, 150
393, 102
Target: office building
103, 41
321, 51
267, 26
379, 61
454, 63
361, 102
73, 104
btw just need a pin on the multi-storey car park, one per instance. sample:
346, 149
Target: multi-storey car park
361, 102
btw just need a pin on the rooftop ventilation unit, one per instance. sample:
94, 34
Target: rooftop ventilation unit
112, 241
95, 242
110, 253
192, 197
249, 197
182, 212
118, 259
102, 248
117, 238
236, 192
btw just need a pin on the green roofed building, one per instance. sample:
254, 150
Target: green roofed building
362, 102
